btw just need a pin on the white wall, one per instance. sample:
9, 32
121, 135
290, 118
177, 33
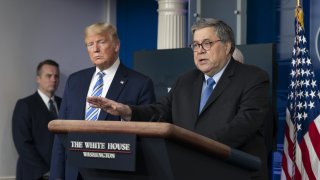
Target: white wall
31, 31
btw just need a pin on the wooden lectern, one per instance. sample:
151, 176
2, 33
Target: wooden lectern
164, 152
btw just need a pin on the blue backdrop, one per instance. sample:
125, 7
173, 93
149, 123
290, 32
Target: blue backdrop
137, 23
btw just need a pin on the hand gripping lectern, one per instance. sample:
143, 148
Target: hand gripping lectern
148, 151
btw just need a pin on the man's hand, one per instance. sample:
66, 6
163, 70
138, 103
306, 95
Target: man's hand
111, 107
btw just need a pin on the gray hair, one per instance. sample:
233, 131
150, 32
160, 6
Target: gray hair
224, 31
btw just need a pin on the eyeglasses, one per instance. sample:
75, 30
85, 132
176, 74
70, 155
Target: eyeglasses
206, 45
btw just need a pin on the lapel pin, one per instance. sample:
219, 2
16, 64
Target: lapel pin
121, 82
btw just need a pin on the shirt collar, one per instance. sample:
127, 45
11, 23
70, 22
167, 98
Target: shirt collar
44, 97
218, 75
111, 69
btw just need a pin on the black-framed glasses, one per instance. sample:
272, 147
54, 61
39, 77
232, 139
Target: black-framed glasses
206, 45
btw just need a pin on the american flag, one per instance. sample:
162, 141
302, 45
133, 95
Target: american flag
300, 159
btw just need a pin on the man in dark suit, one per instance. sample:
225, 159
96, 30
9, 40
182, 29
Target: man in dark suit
222, 99
116, 82
30, 120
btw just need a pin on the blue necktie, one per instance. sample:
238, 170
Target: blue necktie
206, 93
93, 113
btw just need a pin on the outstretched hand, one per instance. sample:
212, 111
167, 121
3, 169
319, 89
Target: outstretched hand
111, 107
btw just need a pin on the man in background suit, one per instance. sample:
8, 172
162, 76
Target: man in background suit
30, 120
237, 105
237, 55
119, 83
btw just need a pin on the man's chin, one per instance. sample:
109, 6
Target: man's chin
203, 68
52, 91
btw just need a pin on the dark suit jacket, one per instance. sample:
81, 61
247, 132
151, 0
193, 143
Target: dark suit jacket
31, 136
127, 87
234, 114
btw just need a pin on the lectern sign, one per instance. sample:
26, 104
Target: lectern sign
102, 151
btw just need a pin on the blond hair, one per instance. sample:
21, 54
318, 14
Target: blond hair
102, 28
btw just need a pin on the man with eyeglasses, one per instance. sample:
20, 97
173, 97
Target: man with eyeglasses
107, 78
222, 99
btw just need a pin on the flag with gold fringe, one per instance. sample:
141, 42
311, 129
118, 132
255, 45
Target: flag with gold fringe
300, 158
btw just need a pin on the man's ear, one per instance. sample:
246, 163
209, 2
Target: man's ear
228, 48
38, 79
117, 47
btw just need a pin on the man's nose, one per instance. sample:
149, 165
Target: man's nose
201, 49
96, 47
54, 78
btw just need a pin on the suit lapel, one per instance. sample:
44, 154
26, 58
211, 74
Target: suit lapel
39, 103
83, 89
196, 95
43, 109
223, 83
58, 101
118, 83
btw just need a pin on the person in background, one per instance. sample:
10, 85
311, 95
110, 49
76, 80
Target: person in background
30, 119
222, 99
107, 78
237, 55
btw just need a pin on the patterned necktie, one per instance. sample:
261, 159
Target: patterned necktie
93, 113
52, 108
206, 93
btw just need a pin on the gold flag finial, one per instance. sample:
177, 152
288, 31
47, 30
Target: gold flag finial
299, 14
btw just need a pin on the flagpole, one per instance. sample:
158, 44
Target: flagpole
299, 20
295, 108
